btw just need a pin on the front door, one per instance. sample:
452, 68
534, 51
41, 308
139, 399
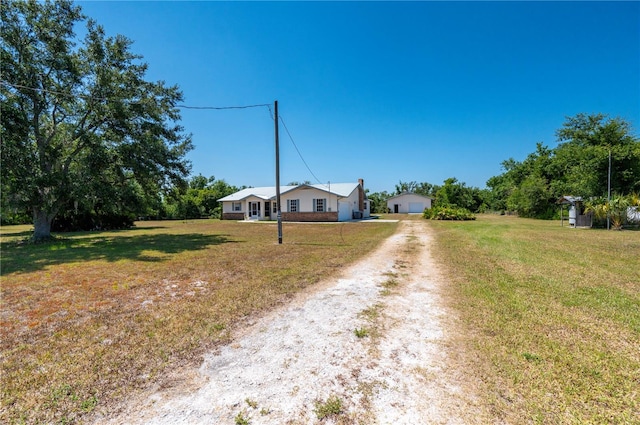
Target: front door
396, 208
254, 210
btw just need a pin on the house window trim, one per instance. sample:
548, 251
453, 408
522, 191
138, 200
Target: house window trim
320, 205
236, 206
293, 205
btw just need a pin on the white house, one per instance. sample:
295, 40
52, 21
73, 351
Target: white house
305, 202
408, 203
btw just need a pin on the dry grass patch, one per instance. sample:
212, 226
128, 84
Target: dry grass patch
373, 315
92, 318
552, 317
391, 282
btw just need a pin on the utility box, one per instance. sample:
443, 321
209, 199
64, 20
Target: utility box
572, 215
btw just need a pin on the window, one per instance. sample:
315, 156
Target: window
236, 206
275, 207
320, 205
292, 205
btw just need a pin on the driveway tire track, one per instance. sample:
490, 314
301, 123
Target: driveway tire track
289, 362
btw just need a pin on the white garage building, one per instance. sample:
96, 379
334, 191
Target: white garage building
409, 203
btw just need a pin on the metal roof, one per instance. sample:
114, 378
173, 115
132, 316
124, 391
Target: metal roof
410, 193
341, 189
266, 193
569, 199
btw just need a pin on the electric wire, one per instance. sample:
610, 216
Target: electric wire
106, 99
224, 107
298, 150
217, 108
20, 86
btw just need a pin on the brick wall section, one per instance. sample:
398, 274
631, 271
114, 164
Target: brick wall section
233, 216
310, 216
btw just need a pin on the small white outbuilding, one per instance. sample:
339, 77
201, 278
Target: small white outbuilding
409, 203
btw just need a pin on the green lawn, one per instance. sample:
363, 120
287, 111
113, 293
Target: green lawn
552, 317
93, 317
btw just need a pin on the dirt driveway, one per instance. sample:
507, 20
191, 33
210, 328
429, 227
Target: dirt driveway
373, 344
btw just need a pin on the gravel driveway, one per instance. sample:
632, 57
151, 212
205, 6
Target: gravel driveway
368, 347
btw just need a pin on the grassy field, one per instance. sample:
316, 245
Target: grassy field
96, 316
552, 317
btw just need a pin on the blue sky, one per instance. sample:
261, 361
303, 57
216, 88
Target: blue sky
384, 91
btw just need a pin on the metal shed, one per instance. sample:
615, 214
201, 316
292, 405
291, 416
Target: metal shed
409, 203
576, 208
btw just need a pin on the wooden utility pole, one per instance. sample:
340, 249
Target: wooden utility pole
278, 209
609, 192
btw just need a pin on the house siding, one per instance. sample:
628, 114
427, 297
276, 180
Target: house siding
340, 206
406, 200
306, 198
310, 216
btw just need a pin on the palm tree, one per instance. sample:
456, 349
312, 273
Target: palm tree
616, 209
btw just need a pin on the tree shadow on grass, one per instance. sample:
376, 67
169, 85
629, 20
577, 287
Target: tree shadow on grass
22, 234
24, 258
332, 244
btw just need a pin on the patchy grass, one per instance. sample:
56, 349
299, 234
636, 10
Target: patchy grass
241, 419
389, 284
361, 332
552, 317
374, 331
93, 317
328, 408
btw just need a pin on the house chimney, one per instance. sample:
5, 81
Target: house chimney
361, 195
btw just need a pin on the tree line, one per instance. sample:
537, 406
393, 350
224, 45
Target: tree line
88, 142
596, 158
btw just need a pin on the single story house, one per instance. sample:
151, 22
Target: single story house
409, 203
305, 202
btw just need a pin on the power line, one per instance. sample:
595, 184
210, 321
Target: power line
298, 150
223, 107
106, 99
20, 86
216, 108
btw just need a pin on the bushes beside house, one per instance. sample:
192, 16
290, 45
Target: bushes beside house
448, 212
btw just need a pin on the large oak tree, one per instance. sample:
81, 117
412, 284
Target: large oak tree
79, 120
